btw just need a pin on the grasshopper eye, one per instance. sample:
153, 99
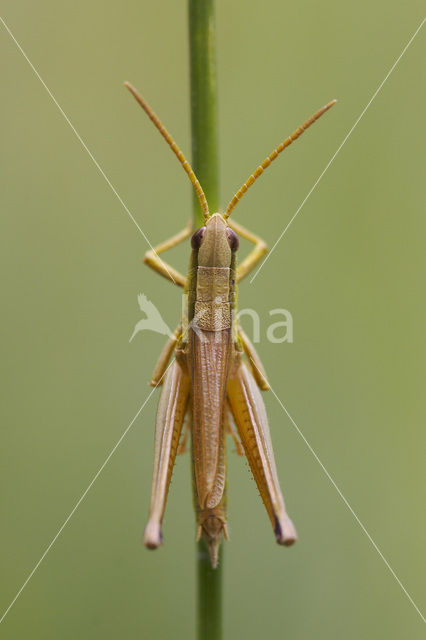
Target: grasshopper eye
197, 238
233, 241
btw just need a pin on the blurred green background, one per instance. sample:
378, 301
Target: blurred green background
350, 269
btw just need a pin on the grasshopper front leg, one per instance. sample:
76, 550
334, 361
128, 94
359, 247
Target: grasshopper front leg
153, 260
260, 249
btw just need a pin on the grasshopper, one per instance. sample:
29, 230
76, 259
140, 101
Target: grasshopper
208, 380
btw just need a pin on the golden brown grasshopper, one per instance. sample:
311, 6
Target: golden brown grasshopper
208, 380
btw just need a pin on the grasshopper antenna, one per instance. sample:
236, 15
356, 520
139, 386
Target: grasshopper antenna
173, 146
265, 164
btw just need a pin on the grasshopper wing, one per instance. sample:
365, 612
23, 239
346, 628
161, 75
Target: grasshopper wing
211, 352
170, 414
250, 418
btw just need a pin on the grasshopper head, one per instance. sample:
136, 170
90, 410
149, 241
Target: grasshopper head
215, 242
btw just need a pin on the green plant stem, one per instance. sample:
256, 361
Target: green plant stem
209, 586
203, 102
205, 165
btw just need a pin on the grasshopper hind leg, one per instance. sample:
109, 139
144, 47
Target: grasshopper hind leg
168, 426
256, 365
186, 431
164, 358
230, 430
249, 414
